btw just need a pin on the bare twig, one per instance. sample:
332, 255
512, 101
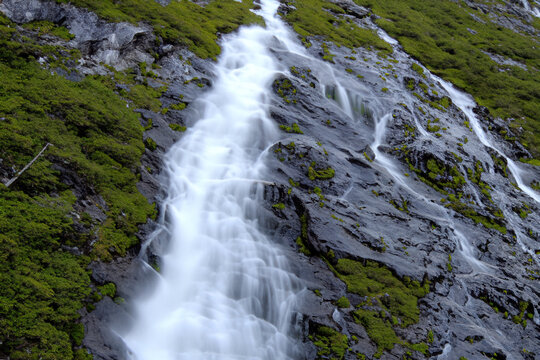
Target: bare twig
27, 166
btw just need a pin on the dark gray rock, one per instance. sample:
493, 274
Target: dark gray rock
120, 45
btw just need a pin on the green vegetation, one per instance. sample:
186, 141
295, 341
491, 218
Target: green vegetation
42, 286
534, 162
144, 97
396, 301
331, 343
96, 146
322, 18
177, 127
302, 240
343, 302
180, 22
180, 106
108, 289
401, 207
150, 144
373, 280
294, 128
323, 174
437, 34
430, 337
520, 319
49, 28
285, 90
279, 206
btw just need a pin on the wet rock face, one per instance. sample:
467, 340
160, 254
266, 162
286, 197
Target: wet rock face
397, 204
418, 195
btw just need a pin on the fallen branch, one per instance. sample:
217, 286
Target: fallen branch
27, 166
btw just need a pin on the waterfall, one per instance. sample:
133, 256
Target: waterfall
224, 291
466, 103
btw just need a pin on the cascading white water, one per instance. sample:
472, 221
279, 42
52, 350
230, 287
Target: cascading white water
224, 291
439, 211
466, 103
531, 9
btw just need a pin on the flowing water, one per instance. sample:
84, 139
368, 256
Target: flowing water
466, 103
346, 100
531, 9
224, 291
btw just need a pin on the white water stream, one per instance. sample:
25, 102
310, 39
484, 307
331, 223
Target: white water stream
439, 213
224, 291
466, 103
531, 9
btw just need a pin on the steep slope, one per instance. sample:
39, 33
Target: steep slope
413, 238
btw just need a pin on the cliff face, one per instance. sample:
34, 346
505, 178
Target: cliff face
393, 198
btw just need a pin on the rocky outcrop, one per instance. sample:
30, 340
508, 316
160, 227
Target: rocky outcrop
121, 45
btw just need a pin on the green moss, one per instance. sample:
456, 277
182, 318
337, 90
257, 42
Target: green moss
180, 106
108, 289
418, 69
433, 128
302, 246
180, 22
286, 90
390, 301
177, 127
449, 181
311, 18
534, 162
430, 337
403, 206
150, 144
279, 206
379, 330
366, 156
325, 174
302, 240
47, 27
343, 302
294, 128
523, 308
373, 280
330, 343
144, 97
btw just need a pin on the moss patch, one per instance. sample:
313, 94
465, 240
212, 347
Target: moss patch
322, 18
331, 344
180, 22
389, 301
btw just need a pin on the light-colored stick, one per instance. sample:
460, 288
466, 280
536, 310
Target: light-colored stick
27, 166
